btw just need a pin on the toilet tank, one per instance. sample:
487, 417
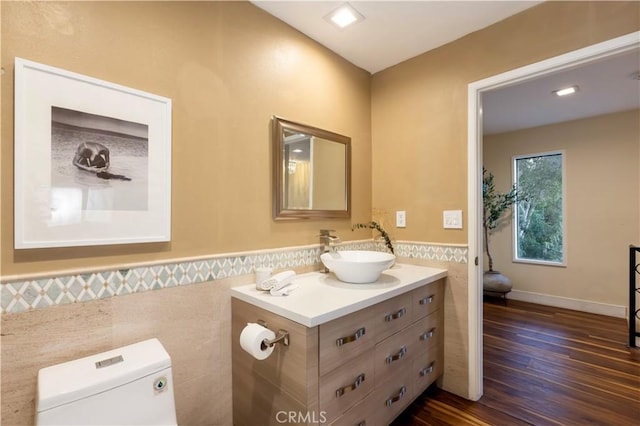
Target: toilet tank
131, 385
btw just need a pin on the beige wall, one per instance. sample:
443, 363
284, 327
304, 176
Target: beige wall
419, 107
601, 205
228, 67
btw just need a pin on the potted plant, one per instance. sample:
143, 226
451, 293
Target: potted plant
375, 225
495, 204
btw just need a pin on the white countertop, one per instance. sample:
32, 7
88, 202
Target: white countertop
321, 298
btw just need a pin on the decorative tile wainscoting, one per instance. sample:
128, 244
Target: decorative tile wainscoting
28, 294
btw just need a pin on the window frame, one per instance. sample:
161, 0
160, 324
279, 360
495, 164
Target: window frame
562, 263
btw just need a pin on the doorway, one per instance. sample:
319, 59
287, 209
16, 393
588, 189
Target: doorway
474, 149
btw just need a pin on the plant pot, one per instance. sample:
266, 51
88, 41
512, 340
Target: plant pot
495, 282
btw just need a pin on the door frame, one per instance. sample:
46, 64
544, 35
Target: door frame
572, 59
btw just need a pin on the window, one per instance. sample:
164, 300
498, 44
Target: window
539, 218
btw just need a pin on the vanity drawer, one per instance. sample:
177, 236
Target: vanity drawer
427, 367
343, 339
393, 355
346, 385
427, 332
427, 299
392, 316
364, 413
393, 396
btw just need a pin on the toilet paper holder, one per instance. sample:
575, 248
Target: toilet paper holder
282, 336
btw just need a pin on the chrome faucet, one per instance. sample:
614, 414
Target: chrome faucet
327, 240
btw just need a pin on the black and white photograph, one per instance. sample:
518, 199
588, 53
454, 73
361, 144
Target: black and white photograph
107, 159
92, 161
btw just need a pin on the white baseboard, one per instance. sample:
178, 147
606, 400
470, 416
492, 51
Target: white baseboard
568, 303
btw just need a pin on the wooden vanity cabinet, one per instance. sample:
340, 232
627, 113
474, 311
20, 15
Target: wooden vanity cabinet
360, 369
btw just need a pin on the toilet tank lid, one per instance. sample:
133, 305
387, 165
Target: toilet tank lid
70, 381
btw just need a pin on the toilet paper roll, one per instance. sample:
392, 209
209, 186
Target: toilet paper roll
251, 340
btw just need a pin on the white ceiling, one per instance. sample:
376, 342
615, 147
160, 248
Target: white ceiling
394, 31
604, 87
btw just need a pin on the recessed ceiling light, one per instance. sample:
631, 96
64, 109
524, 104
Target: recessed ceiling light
565, 91
298, 150
344, 16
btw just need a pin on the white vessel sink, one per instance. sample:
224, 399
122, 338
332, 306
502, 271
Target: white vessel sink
357, 266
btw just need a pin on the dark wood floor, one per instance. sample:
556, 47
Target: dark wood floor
544, 366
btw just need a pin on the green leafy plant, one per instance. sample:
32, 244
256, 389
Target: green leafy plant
494, 205
375, 225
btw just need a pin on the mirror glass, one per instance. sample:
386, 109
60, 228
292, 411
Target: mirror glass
311, 172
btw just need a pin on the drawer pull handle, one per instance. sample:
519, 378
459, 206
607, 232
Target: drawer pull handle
427, 300
398, 397
399, 355
390, 317
348, 388
348, 339
428, 335
427, 370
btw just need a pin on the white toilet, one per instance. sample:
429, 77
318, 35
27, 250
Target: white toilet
126, 386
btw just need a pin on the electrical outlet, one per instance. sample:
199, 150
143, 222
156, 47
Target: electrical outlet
452, 219
401, 219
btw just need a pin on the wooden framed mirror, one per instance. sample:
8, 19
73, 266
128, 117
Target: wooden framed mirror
311, 172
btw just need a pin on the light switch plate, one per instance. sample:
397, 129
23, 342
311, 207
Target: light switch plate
452, 219
401, 219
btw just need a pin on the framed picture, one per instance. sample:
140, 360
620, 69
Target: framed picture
92, 161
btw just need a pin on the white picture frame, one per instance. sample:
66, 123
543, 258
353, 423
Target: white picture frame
92, 161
